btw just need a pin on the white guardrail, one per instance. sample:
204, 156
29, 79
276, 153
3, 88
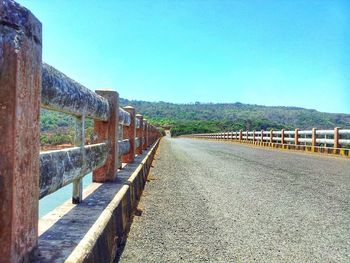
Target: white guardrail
335, 141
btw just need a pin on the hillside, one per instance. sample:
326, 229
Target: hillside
205, 117
250, 116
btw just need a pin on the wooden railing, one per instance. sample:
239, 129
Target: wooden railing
26, 174
336, 141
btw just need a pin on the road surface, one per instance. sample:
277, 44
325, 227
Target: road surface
222, 202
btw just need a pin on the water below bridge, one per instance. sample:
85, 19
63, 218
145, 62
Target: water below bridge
222, 202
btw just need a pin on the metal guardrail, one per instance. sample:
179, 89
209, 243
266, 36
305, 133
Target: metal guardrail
316, 140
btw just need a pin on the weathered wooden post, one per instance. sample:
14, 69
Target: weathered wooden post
129, 133
296, 137
139, 134
108, 131
336, 137
20, 86
282, 137
145, 134
240, 135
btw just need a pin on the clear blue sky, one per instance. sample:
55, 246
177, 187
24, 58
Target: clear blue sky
291, 53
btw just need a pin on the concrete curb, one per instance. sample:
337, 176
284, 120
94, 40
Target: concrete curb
101, 241
93, 230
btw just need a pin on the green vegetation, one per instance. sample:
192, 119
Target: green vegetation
210, 117
189, 127
58, 128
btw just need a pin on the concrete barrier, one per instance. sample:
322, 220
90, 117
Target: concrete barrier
73, 233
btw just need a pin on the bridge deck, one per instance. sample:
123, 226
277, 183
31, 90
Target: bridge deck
214, 201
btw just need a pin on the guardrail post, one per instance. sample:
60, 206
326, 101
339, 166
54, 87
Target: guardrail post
253, 135
336, 137
246, 138
120, 137
282, 137
271, 136
20, 87
296, 137
262, 136
108, 131
149, 135
313, 140
139, 134
145, 134
79, 141
129, 133
240, 135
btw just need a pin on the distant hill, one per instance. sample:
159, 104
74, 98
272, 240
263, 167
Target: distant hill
287, 116
57, 128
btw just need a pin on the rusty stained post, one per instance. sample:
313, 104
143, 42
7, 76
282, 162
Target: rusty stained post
107, 131
271, 136
336, 137
240, 135
282, 137
149, 135
129, 133
79, 141
296, 137
139, 134
313, 139
145, 134
20, 86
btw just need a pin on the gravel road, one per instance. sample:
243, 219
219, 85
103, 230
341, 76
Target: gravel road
222, 202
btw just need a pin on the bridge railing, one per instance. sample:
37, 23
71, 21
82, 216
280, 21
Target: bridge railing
335, 141
26, 174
